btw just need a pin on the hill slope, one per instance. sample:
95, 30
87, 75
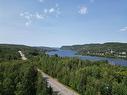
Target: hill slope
118, 50
10, 51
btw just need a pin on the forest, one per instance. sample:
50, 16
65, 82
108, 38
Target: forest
111, 49
86, 77
22, 78
18, 77
10, 51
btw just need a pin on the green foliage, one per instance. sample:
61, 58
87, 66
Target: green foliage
10, 52
21, 78
86, 77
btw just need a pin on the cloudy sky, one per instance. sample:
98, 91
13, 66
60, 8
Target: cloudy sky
62, 22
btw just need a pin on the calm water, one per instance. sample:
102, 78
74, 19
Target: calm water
70, 53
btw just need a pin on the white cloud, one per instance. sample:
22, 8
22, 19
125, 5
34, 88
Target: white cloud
124, 29
28, 17
39, 16
83, 10
51, 10
55, 11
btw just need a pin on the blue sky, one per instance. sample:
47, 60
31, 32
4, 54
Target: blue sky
62, 22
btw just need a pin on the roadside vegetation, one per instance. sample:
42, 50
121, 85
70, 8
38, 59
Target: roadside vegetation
86, 77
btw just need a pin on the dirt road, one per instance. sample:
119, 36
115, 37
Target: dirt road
22, 55
57, 86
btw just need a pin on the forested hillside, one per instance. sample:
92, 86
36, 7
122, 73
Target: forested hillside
18, 77
86, 77
21, 78
45, 49
117, 50
10, 52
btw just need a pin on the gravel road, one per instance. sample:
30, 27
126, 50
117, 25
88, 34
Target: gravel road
22, 55
57, 86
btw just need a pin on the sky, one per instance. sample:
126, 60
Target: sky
56, 23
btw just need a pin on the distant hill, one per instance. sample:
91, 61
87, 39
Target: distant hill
45, 49
10, 51
111, 49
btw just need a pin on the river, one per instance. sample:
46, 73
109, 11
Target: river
70, 53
